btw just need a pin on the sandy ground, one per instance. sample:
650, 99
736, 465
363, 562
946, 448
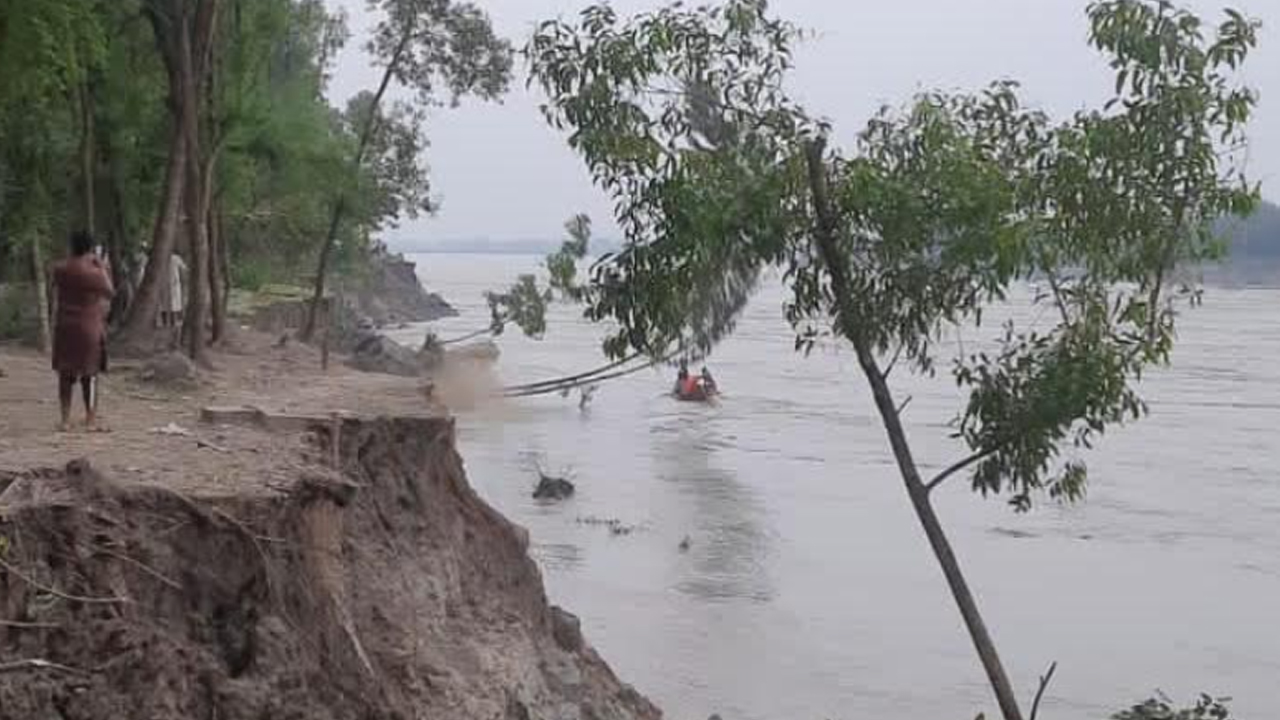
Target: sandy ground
212, 460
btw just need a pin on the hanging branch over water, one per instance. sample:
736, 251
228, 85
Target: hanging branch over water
563, 385
559, 382
469, 336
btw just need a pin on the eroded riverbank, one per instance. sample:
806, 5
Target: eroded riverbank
241, 572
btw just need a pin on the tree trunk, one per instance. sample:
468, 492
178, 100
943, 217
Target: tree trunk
340, 207
225, 242
196, 311
118, 246
848, 324
217, 269
43, 299
140, 326
88, 160
184, 38
190, 65
215, 95
326, 251
171, 26
224, 249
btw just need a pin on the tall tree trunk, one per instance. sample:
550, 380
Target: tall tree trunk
38, 278
118, 246
217, 270
340, 206
171, 25
139, 331
88, 158
196, 312
189, 54
215, 99
224, 245
848, 323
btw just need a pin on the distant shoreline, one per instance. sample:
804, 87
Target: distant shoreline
515, 247
1238, 270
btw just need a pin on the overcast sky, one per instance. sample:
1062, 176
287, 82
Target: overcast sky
501, 173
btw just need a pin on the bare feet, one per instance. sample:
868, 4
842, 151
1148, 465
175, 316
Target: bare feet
64, 427
94, 425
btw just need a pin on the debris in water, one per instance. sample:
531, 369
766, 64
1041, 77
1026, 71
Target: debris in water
588, 392
616, 527
685, 544
553, 488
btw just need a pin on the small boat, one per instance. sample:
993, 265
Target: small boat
696, 391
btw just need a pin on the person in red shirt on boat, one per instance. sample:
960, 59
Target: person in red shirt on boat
691, 386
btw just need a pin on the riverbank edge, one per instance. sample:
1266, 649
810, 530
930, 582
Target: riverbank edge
378, 584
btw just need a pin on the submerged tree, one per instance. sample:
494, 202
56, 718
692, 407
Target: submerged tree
925, 228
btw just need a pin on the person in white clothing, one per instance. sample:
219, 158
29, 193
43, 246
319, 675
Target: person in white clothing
175, 302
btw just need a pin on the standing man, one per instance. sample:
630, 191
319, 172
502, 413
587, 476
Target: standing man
177, 290
83, 292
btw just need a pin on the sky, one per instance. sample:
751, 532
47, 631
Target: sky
500, 173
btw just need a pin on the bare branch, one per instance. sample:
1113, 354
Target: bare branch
963, 465
1044, 685
905, 402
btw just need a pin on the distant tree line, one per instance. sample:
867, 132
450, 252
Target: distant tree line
1256, 237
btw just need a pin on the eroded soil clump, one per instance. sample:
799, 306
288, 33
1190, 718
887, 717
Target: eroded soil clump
382, 588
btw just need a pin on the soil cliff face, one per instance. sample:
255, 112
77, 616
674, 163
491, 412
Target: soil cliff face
392, 294
386, 590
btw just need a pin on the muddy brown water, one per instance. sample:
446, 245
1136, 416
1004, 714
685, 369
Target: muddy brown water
807, 591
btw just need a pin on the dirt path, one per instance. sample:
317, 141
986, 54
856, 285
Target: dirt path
211, 460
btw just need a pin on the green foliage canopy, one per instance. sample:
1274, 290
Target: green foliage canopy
940, 208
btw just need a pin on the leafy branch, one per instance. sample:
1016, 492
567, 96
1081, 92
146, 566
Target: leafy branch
525, 303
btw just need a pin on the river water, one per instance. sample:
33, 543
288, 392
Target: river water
807, 591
